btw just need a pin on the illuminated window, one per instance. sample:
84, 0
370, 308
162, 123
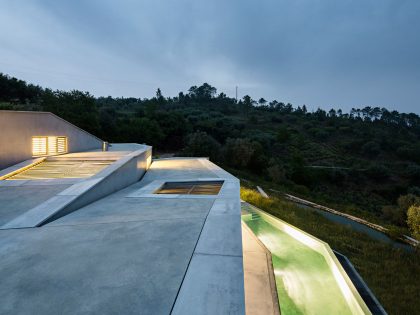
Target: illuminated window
61, 145
47, 145
39, 146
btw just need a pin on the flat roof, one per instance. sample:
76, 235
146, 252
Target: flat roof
133, 251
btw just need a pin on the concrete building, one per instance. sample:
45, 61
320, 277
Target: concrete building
87, 231
91, 229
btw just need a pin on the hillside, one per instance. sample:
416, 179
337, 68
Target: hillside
360, 162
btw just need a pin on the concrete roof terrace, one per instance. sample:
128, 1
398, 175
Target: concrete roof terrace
131, 252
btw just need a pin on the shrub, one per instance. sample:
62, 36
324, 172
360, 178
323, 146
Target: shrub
413, 221
378, 172
240, 152
283, 135
276, 173
371, 149
202, 144
255, 198
406, 201
410, 152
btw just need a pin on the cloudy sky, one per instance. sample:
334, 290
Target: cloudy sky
326, 53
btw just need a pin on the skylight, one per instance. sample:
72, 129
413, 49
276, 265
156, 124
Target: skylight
191, 188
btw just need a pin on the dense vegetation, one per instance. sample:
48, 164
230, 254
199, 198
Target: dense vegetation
390, 272
360, 162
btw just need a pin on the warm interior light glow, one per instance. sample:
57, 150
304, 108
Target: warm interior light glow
61, 145
48, 145
52, 145
148, 162
191, 188
39, 146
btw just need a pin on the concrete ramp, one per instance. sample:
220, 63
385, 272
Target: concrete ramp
89, 185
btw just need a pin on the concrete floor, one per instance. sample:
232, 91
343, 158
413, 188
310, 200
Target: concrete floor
131, 255
113, 268
16, 200
175, 169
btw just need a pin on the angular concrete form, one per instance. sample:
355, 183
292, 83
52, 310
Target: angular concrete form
131, 252
128, 168
86, 232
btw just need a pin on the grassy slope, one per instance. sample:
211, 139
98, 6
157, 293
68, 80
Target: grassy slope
338, 203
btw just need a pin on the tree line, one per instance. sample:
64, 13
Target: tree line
371, 155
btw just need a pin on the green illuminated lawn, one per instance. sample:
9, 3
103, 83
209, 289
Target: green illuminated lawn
305, 283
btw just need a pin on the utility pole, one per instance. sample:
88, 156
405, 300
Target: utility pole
236, 93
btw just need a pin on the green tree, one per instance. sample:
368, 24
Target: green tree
238, 152
413, 221
332, 113
75, 106
283, 135
204, 92
406, 201
262, 101
410, 152
159, 97
378, 172
200, 144
398, 214
298, 172
394, 214
276, 173
371, 149
248, 101
175, 127
144, 130
158, 93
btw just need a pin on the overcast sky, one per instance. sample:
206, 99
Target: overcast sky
326, 53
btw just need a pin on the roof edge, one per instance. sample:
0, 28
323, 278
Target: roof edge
52, 114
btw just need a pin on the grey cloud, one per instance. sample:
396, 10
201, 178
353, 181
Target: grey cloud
323, 53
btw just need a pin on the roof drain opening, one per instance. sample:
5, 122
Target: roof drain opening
191, 188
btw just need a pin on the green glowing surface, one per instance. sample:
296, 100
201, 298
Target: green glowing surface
305, 283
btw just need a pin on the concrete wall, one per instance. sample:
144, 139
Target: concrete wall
17, 129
